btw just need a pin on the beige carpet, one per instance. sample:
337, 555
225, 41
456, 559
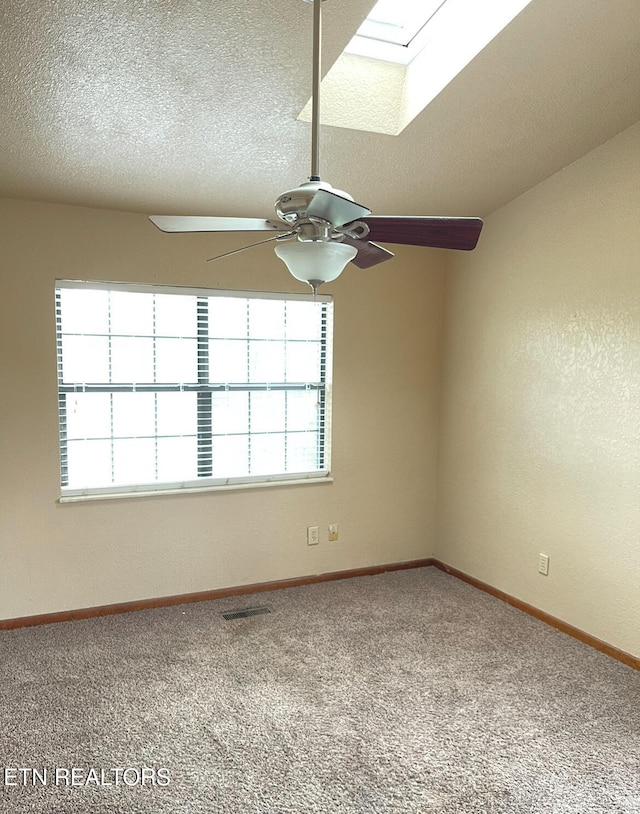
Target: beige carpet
406, 692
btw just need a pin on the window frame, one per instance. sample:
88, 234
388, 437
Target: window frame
205, 481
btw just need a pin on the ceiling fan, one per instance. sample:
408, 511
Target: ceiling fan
320, 229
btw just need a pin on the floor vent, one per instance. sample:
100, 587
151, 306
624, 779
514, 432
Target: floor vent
244, 612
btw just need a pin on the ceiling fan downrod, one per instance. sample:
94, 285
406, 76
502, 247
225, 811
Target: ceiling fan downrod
315, 89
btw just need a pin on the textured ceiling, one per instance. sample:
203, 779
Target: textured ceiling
190, 107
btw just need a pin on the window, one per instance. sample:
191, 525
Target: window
162, 389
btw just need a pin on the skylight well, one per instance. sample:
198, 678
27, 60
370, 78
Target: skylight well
403, 55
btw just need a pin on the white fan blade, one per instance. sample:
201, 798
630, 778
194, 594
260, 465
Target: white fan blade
334, 208
180, 223
251, 245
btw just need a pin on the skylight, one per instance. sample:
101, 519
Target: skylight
397, 21
399, 30
403, 55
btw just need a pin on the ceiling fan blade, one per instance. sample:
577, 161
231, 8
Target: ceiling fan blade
181, 223
439, 233
334, 208
369, 254
251, 245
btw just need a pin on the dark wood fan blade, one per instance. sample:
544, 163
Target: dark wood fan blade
439, 233
369, 254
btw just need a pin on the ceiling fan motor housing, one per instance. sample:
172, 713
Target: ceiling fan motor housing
291, 206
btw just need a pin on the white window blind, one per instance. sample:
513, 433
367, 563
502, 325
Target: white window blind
178, 388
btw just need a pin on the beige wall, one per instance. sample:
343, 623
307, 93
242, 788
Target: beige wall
387, 329
539, 441
540, 437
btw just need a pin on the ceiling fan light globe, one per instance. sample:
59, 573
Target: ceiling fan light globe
318, 261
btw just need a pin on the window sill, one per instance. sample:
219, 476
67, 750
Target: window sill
125, 494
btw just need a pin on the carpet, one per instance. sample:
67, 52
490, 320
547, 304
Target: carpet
405, 692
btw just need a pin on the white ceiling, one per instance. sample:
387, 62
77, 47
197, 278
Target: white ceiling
190, 106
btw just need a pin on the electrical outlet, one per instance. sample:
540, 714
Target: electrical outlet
333, 532
313, 537
543, 564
